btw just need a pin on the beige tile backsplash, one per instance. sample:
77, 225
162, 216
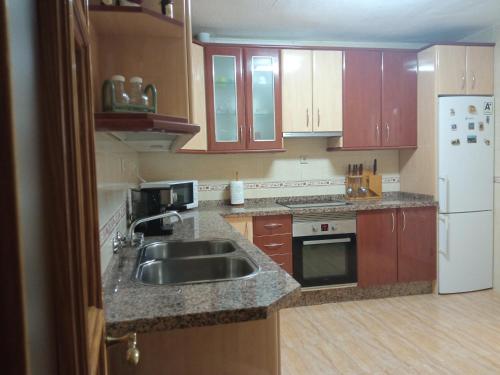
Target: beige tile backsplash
116, 166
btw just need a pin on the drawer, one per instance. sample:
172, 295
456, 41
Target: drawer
277, 244
275, 224
284, 261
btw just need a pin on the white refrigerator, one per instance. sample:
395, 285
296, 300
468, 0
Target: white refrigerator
465, 172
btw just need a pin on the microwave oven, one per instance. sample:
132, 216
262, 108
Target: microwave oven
154, 198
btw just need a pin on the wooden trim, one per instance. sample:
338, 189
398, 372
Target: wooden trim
143, 122
248, 54
125, 9
12, 313
457, 44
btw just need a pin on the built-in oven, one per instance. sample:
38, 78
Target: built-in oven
324, 249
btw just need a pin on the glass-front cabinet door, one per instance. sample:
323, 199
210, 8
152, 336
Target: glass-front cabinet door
226, 109
243, 98
263, 98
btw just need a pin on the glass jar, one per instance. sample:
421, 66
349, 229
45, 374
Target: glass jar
137, 95
121, 96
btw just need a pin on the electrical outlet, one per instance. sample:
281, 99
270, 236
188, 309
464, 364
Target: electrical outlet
303, 159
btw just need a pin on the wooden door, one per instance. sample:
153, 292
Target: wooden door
296, 74
198, 102
417, 244
362, 99
327, 90
451, 70
480, 66
225, 98
399, 99
70, 167
377, 243
263, 98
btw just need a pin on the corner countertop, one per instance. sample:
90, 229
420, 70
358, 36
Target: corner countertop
131, 306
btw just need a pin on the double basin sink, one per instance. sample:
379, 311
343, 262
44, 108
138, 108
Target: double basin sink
189, 262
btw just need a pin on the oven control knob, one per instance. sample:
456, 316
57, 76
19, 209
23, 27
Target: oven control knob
315, 228
333, 227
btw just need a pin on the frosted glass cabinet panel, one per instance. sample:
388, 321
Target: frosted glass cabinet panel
225, 94
243, 99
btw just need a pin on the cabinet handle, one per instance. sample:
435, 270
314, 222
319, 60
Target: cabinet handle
473, 80
404, 220
241, 134
387, 127
250, 133
393, 222
133, 353
274, 245
318, 118
272, 225
377, 129
307, 114
463, 81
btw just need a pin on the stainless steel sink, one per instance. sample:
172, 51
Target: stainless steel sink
195, 270
186, 262
182, 249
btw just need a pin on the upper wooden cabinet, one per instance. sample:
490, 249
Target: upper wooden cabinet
380, 99
464, 70
312, 90
243, 98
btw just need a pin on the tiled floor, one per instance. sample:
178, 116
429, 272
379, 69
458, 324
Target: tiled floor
427, 334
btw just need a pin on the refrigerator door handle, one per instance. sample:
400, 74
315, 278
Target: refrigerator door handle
444, 185
443, 237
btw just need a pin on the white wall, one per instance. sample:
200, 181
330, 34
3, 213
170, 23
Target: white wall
280, 173
116, 166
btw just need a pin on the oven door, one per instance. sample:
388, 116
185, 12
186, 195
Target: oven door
324, 260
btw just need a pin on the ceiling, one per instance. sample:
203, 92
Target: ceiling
345, 20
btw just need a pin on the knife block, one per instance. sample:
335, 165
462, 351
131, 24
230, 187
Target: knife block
372, 183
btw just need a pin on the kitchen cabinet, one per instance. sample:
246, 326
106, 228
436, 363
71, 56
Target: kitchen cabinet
396, 245
243, 225
377, 247
380, 99
273, 235
312, 91
417, 244
465, 70
243, 99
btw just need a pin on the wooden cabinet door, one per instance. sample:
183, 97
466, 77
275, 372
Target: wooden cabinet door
362, 99
263, 98
225, 98
327, 91
243, 224
417, 244
377, 247
296, 75
399, 99
451, 70
479, 62
197, 98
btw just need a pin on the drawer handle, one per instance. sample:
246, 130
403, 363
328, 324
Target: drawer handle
280, 254
272, 225
274, 245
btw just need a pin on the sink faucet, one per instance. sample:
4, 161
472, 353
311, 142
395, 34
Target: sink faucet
150, 218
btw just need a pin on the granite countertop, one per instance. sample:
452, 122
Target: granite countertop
131, 306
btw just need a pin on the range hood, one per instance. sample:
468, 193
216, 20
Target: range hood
312, 134
147, 132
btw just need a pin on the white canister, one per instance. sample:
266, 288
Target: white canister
237, 192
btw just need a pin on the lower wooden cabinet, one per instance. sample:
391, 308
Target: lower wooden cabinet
377, 247
273, 235
396, 245
417, 244
243, 224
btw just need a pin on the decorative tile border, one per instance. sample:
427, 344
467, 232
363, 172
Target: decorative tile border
109, 228
289, 184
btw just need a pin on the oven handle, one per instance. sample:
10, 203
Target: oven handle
322, 242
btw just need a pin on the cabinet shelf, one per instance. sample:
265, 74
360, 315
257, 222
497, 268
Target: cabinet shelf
133, 21
147, 131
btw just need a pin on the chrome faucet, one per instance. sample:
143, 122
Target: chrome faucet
150, 218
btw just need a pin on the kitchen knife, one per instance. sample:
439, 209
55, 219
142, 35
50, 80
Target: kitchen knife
349, 170
355, 170
361, 169
375, 166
